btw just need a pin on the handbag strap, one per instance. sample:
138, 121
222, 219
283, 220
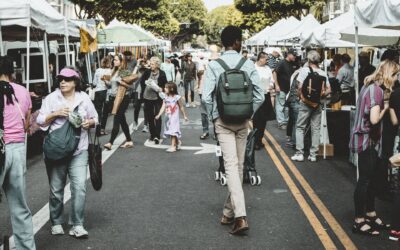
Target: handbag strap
96, 140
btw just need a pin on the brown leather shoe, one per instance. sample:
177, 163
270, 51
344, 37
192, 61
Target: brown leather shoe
226, 220
240, 226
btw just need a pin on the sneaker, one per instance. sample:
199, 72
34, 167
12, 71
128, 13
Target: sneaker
179, 146
297, 157
290, 144
312, 158
171, 149
136, 127
156, 141
78, 232
187, 105
57, 230
394, 235
193, 105
145, 129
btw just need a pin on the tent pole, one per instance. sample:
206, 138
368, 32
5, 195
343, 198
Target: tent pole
356, 51
1, 43
46, 57
28, 56
66, 43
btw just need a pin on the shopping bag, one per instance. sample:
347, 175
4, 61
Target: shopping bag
95, 162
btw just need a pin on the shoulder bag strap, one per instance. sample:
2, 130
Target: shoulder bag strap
241, 63
223, 64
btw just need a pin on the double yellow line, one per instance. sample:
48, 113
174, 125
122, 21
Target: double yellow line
325, 239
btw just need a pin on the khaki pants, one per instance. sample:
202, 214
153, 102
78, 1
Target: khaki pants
232, 138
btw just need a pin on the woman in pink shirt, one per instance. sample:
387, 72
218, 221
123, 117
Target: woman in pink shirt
54, 112
15, 109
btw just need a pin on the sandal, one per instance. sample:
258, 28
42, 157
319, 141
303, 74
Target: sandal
128, 144
171, 150
377, 222
102, 132
357, 228
108, 146
204, 136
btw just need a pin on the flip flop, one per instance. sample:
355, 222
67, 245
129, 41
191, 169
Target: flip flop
108, 146
127, 145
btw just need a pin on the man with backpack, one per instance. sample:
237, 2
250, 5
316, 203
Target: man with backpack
313, 85
232, 94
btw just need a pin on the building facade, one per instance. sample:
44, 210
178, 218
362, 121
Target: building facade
65, 7
334, 8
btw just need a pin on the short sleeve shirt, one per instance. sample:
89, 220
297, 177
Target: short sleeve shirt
284, 71
364, 134
14, 116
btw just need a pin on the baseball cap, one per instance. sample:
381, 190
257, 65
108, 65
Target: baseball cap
292, 51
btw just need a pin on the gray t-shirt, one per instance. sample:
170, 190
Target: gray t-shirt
345, 77
149, 93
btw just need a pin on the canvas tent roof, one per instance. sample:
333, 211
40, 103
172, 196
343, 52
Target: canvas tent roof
278, 29
294, 32
35, 13
378, 13
117, 32
254, 40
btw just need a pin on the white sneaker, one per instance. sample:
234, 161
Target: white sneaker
78, 232
145, 129
57, 230
193, 105
187, 105
298, 157
312, 158
136, 127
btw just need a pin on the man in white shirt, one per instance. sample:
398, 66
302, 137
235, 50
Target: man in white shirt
265, 112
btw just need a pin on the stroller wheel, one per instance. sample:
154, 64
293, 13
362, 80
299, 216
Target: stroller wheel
253, 180
223, 180
217, 176
258, 180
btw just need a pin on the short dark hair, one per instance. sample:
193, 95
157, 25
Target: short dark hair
172, 88
261, 54
230, 35
6, 66
346, 58
127, 53
245, 51
389, 54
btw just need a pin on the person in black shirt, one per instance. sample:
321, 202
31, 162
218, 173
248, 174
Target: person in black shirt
175, 62
282, 75
365, 69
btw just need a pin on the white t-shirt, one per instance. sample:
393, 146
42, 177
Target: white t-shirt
306, 70
266, 79
100, 72
201, 65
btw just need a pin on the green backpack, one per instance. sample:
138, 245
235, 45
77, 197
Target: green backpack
234, 93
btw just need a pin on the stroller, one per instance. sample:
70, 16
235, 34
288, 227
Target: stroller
249, 171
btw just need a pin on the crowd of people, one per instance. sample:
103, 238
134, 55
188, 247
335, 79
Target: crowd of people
288, 90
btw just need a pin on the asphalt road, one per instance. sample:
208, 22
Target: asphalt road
155, 200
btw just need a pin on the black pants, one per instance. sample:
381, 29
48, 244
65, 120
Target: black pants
364, 195
137, 104
396, 211
263, 114
102, 108
151, 109
120, 120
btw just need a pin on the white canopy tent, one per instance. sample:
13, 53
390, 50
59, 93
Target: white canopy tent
293, 32
37, 14
255, 41
378, 14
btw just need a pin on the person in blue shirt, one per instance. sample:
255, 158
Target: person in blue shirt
232, 137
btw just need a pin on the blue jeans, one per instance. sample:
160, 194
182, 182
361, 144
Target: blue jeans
204, 116
57, 171
282, 115
293, 113
14, 188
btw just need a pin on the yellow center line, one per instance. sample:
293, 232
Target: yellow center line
312, 218
332, 222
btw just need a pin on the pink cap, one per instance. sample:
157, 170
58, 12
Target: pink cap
66, 72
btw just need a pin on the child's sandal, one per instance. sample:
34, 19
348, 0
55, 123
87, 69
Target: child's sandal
357, 228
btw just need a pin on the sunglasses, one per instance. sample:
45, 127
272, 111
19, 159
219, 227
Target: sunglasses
65, 79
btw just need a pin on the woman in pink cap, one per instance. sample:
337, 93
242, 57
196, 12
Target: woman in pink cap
55, 111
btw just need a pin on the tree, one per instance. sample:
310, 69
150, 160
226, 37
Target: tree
219, 18
258, 14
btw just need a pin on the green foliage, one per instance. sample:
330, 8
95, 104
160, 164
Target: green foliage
219, 18
163, 17
257, 14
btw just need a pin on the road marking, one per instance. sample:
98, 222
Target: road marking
203, 149
312, 218
332, 222
43, 215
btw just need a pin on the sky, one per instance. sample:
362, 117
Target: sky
211, 4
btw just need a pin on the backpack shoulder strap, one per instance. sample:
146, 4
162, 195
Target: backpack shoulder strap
311, 70
223, 64
241, 63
